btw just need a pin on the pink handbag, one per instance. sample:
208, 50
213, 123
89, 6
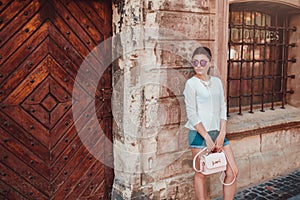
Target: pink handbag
212, 163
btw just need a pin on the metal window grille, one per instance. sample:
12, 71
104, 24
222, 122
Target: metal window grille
257, 60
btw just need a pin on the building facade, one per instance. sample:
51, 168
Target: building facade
255, 47
91, 103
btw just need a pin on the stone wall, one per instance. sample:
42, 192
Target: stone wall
154, 41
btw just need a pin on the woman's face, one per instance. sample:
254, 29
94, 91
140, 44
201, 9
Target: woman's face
201, 64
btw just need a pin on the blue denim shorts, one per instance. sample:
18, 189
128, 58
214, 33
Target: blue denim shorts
197, 141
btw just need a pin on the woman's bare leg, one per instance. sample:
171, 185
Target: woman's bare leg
231, 172
199, 180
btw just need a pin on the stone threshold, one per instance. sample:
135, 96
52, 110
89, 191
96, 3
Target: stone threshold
249, 124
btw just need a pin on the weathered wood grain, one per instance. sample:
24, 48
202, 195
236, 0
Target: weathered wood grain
23, 57
26, 172
23, 136
42, 154
12, 8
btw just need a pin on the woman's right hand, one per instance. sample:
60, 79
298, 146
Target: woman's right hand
209, 143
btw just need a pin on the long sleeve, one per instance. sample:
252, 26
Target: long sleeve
223, 114
191, 104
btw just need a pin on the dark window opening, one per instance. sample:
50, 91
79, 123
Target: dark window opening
257, 58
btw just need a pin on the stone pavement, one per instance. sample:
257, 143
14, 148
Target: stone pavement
280, 188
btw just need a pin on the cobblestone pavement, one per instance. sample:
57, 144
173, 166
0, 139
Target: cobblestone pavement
279, 188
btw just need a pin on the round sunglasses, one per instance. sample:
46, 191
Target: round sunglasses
202, 63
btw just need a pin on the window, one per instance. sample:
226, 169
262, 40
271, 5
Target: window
257, 58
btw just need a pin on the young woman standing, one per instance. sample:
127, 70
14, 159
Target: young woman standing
206, 112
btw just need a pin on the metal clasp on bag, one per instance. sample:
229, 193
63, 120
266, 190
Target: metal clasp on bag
216, 162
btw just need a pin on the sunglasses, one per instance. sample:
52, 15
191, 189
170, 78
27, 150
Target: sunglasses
202, 63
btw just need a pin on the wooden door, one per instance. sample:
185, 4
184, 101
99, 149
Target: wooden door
42, 45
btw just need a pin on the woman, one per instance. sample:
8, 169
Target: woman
206, 112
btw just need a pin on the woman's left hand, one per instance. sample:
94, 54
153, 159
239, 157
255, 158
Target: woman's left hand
219, 142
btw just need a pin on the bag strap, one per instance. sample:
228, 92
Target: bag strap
194, 160
221, 175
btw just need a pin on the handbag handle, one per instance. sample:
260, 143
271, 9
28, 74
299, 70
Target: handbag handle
199, 170
194, 160
227, 184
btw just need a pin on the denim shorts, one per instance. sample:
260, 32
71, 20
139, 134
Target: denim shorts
197, 141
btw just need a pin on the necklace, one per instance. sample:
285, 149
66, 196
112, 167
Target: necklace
206, 83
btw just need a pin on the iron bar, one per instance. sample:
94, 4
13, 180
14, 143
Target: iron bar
228, 63
262, 75
253, 65
275, 65
285, 64
241, 65
264, 65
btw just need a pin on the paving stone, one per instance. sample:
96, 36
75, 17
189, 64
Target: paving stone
268, 191
273, 196
261, 198
279, 188
260, 189
295, 197
285, 196
269, 184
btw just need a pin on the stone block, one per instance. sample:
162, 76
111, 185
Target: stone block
171, 164
143, 193
174, 80
275, 141
193, 26
257, 168
245, 146
166, 111
185, 6
160, 187
161, 112
175, 85
244, 175
177, 52
148, 143
167, 140
131, 117
154, 116
151, 89
295, 137
292, 156
147, 178
122, 188
180, 188
126, 158
183, 138
270, 164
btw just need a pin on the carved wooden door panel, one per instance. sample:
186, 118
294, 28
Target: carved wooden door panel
42, 45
